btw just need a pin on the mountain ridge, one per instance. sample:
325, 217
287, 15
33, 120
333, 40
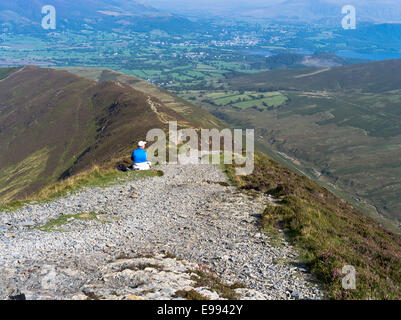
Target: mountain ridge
25, 16
74, 122
316, 11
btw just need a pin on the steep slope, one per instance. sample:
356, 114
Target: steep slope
329, 232
196, 116
377, 76
340, 126
53, 124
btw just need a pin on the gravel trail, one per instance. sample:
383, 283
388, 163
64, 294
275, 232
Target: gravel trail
142, 239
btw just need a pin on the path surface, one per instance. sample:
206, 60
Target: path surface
312, 73
127, 252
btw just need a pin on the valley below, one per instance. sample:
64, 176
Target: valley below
331, 124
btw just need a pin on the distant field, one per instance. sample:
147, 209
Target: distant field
241, 100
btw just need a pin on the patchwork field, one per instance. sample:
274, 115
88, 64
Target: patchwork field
240, 99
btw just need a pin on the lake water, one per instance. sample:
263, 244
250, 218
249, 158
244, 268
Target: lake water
260, 52
374, 56
263, 52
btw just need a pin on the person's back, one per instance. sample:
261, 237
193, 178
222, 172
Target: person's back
139, 156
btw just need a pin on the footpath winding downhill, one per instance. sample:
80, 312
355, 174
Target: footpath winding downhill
145, 239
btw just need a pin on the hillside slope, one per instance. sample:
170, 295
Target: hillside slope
339, 126
25, 16
329, 232
196, 116
380, 76
53, 124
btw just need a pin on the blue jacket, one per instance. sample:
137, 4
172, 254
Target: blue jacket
139, 156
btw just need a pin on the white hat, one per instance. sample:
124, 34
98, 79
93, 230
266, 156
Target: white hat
141, 143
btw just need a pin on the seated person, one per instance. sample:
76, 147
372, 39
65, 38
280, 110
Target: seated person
139, 157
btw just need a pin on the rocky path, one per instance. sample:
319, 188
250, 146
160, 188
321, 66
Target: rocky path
146, 239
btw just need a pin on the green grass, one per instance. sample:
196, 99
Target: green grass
55, 224
96, 177
247, 99
263, 103
27, 171
328, 232
14, 205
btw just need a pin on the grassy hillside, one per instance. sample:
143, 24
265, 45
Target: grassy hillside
97, 176
24, 15
5, 72
378, 76
329, 232
54, 124
195, 116
339, 126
